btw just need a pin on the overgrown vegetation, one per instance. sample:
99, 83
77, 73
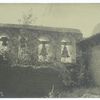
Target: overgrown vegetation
50, 81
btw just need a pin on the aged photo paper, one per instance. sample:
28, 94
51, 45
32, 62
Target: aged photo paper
49, 50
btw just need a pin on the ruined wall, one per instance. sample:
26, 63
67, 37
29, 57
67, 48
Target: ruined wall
25, 45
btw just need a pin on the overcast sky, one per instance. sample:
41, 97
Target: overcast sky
81, 16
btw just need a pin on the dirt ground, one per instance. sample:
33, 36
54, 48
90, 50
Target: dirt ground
92, 92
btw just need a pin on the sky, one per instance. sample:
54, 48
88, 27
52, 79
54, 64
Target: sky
84, 17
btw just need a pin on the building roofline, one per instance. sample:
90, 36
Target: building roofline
45, 28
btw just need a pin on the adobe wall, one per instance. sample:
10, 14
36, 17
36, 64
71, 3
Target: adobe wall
33, 36
94, 63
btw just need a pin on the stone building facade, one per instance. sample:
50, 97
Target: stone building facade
31, 45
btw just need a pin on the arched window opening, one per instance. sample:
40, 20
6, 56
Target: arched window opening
4, 46
65, 51
43, 50
4, 41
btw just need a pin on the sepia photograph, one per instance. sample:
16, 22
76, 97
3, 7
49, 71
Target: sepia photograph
50, 50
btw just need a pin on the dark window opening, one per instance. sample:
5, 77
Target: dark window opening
44, 50
65, 52
4, 41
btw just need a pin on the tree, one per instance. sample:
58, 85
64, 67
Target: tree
24, 51
27, 19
